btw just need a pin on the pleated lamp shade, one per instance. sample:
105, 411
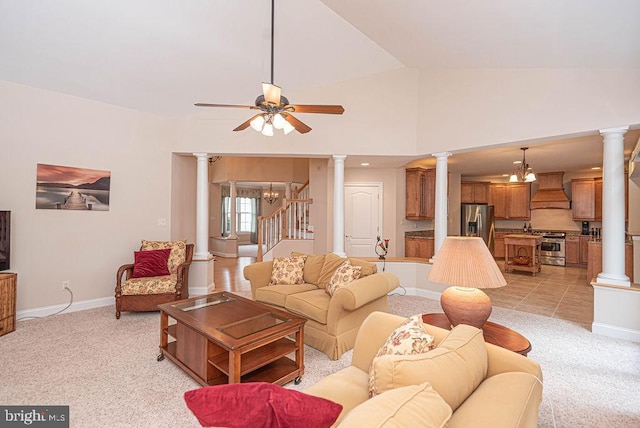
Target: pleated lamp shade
467, 265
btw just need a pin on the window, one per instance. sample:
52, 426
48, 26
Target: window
245, 214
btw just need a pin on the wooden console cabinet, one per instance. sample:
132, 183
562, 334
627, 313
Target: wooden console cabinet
7, 302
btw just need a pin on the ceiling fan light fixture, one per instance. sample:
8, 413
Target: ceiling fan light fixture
267, 130
258, 122
278, 121
288, 128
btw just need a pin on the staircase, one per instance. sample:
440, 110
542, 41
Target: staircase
290, 221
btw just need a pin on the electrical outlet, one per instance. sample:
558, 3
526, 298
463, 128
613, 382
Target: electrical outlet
66, 285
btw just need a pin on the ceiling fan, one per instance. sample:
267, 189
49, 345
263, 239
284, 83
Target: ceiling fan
275, 110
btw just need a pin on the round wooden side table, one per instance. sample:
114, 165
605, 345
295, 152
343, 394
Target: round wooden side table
495, 334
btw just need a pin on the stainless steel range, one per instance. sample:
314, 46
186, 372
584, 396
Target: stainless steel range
552, 249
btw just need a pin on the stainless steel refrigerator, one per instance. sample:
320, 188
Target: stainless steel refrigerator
477, 220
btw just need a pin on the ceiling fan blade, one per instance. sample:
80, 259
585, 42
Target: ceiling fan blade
225, 105
300, 127
325, 109
271, 93
244, 125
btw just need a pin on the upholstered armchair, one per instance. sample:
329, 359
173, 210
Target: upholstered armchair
160, 274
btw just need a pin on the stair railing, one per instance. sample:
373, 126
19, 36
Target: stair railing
287, 222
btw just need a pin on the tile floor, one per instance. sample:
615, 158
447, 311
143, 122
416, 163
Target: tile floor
557, 292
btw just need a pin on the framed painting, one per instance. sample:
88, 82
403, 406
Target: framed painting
69, 188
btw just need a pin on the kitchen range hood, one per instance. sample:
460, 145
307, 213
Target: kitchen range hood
550, 193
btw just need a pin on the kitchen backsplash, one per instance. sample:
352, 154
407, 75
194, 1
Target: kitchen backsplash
548, 219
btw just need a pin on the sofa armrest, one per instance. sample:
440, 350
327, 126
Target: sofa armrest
364, 290
124, 272
258, 275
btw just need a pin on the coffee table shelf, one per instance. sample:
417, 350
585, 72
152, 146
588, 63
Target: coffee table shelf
257, 358
234, 340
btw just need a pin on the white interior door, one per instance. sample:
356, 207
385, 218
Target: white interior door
363, 218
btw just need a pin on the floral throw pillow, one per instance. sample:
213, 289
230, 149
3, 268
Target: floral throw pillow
408, 339
287, 270
345, 273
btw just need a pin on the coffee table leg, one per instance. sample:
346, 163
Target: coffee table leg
234, 367
164, 340
300, 351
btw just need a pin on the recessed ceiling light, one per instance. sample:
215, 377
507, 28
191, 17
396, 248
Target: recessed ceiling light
596, 167
364, 164
506, 175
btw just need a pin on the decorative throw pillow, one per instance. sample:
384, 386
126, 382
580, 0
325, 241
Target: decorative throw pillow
150, 263
287, 270
410, 406
259, 404
331, 263
178, 251
343, 275
408, 339
454, 369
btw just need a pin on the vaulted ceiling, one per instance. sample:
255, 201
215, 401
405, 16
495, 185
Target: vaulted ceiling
161, 56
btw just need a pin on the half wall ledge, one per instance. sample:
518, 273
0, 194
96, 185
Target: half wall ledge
615, 311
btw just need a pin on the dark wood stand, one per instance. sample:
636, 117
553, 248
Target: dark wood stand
495, 334
7, 302
237, 340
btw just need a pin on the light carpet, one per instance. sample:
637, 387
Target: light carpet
106, 369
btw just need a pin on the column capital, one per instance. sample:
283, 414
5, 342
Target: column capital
201, 155
441, 154
617, 130
339, 157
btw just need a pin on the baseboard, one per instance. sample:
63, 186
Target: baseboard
615, 331
82, 305
225, 255
421, 292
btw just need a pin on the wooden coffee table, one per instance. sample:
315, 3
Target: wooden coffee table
224, 338
495, 334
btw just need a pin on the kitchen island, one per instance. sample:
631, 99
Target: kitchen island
523, 240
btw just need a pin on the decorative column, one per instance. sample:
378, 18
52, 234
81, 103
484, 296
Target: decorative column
440, 221
201, 270
613, 228
202, 206
232, 208
338, 205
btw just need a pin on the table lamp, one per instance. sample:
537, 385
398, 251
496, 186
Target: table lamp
466, 264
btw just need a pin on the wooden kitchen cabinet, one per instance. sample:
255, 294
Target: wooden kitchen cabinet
421, 248
572, 250
586, 198
510, 200
584, 249
474, 192
583, 199
420, 193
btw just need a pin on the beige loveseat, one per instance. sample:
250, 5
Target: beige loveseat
466, 383
333, 321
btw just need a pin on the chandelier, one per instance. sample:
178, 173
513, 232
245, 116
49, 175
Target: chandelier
270, 196
523, 171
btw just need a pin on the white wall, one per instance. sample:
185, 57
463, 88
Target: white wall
402, 112
84, 247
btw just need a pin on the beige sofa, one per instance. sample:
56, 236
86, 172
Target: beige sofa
485, 386
333, 321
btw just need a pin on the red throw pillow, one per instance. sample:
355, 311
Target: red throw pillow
260, 405
150, 263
